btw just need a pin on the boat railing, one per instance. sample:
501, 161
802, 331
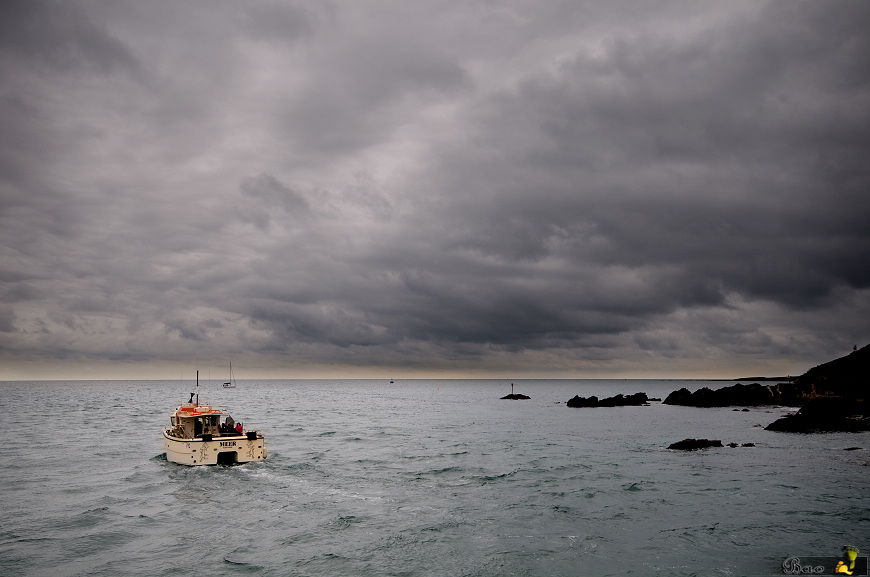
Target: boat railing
179, 433
187, 424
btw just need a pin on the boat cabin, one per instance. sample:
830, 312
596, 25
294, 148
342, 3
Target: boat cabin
197, 421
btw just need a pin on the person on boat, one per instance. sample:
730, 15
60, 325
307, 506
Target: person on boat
229, 426
239, 428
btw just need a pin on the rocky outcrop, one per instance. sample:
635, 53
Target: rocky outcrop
578, 402
634, 400
843, 378
515, 397
847, 377
825, 415
694, 444
740, 394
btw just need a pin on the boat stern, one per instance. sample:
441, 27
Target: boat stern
209, 450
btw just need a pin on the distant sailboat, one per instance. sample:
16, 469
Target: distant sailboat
231, 384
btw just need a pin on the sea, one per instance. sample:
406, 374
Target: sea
419, 478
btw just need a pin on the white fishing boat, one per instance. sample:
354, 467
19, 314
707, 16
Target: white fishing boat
200, 434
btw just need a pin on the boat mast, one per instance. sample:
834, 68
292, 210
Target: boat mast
197, 387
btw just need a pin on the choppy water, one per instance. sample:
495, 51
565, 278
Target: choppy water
418, 478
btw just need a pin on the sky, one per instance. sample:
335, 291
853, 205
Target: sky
450, 189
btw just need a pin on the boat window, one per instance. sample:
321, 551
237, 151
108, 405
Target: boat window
172, 420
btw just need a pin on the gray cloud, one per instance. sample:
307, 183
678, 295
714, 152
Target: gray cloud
60, 36
329, 188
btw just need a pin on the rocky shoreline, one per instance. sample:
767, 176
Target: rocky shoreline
825, 416
832, 396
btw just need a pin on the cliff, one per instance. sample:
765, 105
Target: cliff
845, 378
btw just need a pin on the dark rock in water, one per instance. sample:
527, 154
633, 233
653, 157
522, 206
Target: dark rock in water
740, 394
614, 401
825, 415
516, 397
679, 397
694, 444
578, 401
635, 400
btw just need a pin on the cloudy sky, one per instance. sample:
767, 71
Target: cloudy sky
383, 188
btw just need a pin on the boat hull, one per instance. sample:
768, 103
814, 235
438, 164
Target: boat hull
215, 451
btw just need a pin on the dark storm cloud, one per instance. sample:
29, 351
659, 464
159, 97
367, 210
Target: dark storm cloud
60, 35
669, 187
273, 195
702, 155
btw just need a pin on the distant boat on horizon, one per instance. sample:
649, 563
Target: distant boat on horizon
231, 384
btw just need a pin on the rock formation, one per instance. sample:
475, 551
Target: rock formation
845, 378
694, 444
742, 395
825, 415
515, 397
634, 400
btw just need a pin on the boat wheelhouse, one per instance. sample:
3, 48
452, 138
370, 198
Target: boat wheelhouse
200, 434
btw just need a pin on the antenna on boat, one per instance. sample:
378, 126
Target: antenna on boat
197, 387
